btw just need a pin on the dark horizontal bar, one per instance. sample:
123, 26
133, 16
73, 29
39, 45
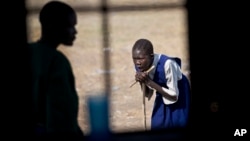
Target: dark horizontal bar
117, 8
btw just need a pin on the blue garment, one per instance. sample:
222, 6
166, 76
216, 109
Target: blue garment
173, 115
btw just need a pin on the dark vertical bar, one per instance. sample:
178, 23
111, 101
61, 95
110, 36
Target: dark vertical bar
216, 38
106, 48
201, 25
16, 113
99, 105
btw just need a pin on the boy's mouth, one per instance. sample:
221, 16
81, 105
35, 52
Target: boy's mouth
140, 69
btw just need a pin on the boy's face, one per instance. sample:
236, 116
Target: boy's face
142, 60
67, 31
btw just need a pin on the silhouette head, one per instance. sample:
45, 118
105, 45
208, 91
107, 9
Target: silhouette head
58, 21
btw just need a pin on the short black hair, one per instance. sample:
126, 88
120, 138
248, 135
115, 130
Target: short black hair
144, 45
54, 13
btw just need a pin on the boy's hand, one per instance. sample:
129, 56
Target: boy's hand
141, 77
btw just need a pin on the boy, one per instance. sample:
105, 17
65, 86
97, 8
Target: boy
171, 106
55, 97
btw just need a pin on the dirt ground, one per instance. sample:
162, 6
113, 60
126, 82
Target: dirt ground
167, 29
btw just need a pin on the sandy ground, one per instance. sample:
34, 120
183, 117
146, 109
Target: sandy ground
167, 29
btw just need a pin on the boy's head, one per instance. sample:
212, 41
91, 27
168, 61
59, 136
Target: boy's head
143, 54
58, 22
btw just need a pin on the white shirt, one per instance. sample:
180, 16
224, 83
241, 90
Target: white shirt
172, 74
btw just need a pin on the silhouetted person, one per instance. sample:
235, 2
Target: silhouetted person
55, 97
172, 101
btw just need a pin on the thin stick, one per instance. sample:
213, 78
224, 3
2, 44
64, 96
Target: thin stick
143, 98
146, 71
150, 69
143, 105
133, 84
